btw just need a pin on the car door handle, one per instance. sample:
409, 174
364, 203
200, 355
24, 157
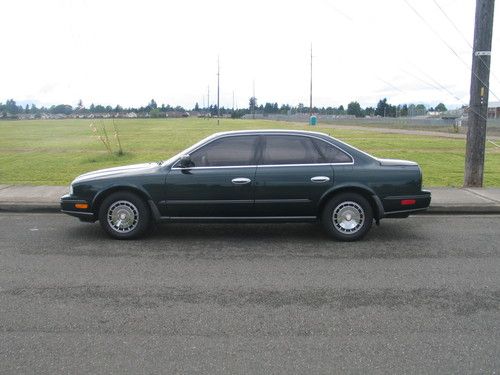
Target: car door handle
320, 179
240, 180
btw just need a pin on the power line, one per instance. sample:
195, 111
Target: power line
463, 36
449, 47
453, 24
440, 86
420, 79
342, 13
389, 84
434, 31
435, 84
445, 89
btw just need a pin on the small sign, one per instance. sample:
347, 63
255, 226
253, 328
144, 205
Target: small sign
482, 53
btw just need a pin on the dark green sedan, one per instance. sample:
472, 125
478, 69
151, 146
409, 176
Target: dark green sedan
250, 176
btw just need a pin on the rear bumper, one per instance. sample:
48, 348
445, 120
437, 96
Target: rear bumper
68, 207
401, 204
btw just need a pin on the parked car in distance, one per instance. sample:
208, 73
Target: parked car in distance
253, 176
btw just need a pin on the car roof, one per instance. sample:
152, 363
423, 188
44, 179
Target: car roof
344, 146
270, 131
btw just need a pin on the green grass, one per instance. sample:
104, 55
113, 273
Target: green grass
53, 152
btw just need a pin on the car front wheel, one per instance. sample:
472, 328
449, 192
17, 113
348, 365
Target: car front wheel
124, 215
347, 217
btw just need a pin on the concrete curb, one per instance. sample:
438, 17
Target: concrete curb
461, 209
27, 207
50, 207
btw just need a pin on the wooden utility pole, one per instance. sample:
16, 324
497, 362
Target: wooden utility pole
479, 89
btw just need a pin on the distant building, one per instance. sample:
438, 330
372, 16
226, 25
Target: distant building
454, 114
494, 110
177, 114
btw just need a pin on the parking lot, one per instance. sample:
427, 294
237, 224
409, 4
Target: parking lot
416, 295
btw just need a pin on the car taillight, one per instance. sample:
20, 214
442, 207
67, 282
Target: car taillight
408, 202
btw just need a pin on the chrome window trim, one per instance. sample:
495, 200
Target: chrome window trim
264, 165
300, 165
221, 167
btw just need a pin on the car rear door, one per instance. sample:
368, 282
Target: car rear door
291, 177
219, 184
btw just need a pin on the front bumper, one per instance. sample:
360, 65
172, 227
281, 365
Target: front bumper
68, 203
393, 205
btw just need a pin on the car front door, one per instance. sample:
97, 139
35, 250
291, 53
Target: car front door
219, 183
291, 177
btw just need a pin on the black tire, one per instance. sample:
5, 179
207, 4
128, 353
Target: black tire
347, 217
124, 215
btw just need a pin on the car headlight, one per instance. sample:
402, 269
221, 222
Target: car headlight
71, 189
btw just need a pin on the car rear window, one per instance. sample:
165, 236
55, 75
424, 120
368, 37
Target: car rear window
332, 154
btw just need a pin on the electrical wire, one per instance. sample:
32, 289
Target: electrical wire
450, 48
463, 37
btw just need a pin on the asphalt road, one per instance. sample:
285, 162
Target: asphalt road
420, 295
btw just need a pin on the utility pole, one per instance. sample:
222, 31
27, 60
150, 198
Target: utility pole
479, 89
218, 90
311, 85
208, 98
253, 101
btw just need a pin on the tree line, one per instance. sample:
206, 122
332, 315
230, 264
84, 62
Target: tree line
152, 109
10, 107
383, 109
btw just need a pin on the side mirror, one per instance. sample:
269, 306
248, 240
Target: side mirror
185, 161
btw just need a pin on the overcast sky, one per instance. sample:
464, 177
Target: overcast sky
129, 51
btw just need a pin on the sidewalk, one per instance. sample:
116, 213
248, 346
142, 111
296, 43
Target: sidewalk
17, 198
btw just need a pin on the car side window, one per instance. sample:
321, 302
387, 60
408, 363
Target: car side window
332, 154
283, 149
227, 151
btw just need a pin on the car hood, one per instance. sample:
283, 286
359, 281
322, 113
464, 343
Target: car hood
395, 162
126, 170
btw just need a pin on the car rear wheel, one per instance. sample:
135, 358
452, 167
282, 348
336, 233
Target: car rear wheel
124, 215
347, 217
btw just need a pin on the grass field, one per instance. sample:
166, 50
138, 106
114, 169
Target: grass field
53, 152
